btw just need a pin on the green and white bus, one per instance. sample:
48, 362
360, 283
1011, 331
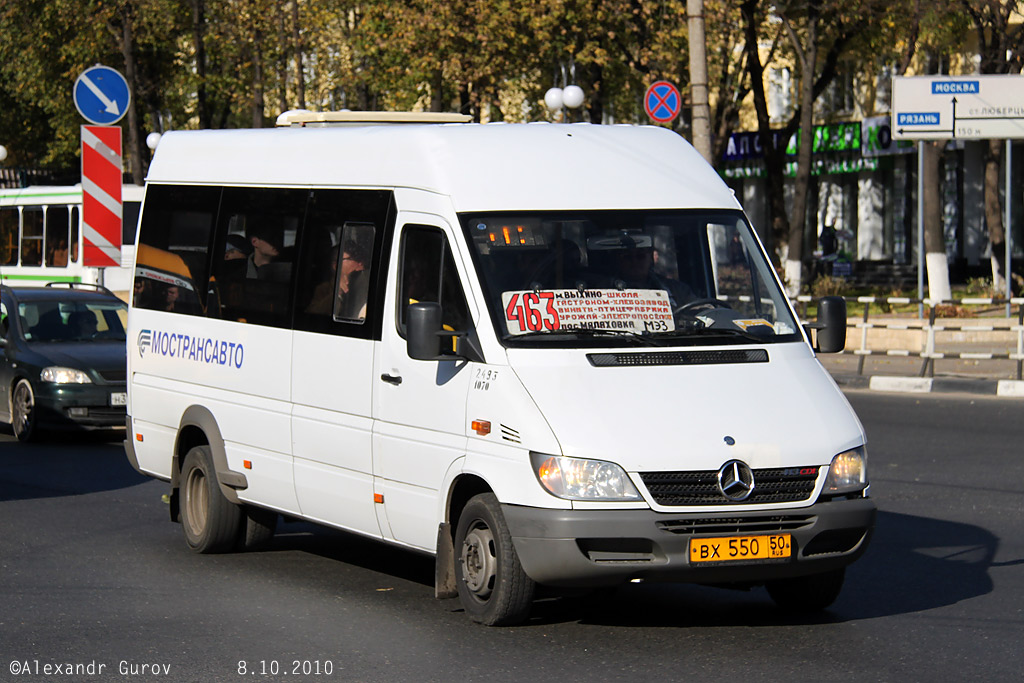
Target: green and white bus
41, 236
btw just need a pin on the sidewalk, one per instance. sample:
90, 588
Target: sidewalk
902, 374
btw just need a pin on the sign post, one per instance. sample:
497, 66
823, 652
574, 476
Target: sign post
101, 195
101, 96
976, 107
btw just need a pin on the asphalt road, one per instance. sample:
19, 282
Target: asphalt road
92, 574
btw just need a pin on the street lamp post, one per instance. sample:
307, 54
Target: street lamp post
570, 97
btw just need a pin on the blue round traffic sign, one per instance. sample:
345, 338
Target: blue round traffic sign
101, 95
662, 102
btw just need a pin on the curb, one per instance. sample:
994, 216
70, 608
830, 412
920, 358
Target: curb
1003, 388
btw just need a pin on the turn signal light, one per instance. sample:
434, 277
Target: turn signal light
247, 464
481, 427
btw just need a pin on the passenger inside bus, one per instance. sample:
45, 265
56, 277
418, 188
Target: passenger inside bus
266, 244
344, 292
57, 253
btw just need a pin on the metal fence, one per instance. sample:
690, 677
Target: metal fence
939, 332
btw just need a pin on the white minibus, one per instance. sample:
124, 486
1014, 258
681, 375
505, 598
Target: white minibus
547, 355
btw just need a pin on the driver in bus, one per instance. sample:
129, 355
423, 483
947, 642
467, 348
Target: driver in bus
634, 268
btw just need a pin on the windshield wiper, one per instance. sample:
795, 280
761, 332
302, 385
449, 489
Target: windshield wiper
643, 338
717, 332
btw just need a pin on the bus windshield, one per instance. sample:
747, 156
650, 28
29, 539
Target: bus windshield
678, 276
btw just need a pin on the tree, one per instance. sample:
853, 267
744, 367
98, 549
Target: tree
726, 70
933, 32
818, 33
48, 43
1001, 51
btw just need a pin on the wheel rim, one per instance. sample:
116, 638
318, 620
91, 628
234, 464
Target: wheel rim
23, 405
479, 563
196, 501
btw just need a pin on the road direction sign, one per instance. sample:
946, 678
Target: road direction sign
662, 102
101, 95
968, 107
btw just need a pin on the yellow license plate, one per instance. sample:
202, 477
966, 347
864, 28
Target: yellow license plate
735, 548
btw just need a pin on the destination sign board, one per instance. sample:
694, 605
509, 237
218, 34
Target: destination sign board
977, 107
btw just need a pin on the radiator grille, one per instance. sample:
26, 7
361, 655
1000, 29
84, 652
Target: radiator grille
718, 357
737, 525
779, 485
114, 376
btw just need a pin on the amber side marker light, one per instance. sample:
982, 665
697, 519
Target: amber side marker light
481, 427
247, 464
378, 498
138, 437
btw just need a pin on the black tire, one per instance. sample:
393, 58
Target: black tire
257, 528
23, 411
211, 522
493, 588
807, 593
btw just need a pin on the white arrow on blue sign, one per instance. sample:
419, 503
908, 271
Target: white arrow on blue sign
101, 95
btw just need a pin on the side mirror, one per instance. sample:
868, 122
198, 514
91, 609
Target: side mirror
423, 327
831, 324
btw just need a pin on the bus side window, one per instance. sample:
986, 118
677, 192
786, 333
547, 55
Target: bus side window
8, 236
341, 246
174, 242
32, 236
56, 230
265, 222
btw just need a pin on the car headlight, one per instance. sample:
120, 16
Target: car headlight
580, 479
847, 473
59, 375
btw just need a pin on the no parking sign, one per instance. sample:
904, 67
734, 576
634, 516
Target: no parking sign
662, 102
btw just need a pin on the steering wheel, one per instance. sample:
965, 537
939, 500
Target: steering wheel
690, 306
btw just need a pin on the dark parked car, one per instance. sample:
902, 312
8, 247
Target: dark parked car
63, 360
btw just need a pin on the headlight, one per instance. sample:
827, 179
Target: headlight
847, 473
59, 375
579, 479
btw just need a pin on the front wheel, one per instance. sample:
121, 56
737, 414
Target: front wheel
23, 411
257, 528
211, 522
807, 593
493, 588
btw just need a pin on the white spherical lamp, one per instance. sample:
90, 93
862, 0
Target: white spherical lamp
553, 99
572, 96
152, 140
3, 152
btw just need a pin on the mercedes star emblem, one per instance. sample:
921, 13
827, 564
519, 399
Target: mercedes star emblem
735, 480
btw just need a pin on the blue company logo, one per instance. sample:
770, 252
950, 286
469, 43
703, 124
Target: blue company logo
187, 347
922, 118
956, 87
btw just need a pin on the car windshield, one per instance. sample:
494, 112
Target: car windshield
622, 277
73, 321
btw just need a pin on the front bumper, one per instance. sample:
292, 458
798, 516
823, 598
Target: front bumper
78, 406
607, 547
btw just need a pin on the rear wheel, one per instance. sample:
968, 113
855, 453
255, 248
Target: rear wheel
807, 593
493, 588
211, 522
23, 411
